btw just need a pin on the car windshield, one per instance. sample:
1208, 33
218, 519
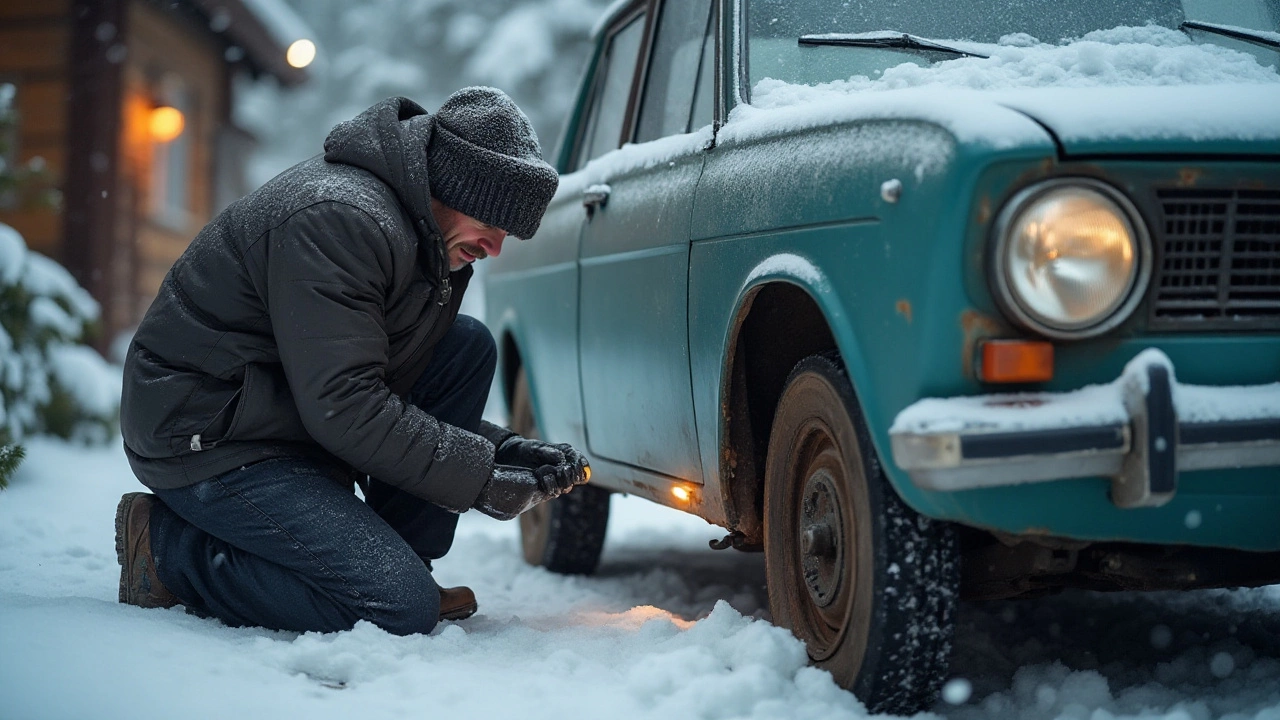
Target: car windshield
818, 41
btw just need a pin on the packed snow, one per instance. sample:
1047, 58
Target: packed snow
1094, 405
666, 629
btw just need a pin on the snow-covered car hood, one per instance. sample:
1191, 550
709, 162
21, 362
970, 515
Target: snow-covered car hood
1215, 119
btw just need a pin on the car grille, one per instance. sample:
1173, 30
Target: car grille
1217, 259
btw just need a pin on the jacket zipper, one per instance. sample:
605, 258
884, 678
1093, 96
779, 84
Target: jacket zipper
444, 296
446, 288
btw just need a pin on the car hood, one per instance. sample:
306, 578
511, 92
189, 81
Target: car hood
1178, 119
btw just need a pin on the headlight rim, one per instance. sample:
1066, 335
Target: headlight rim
998, 269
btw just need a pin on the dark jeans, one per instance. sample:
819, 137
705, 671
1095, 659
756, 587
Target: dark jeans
286, 544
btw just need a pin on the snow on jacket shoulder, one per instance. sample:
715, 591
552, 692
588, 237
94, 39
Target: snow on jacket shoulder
297, 319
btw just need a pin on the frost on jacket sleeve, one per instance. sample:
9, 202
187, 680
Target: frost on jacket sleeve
328, 271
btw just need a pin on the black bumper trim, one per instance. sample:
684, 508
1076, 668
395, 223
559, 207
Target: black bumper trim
1162, 432
1231, 431
989, 446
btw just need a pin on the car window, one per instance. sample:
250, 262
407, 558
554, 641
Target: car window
673, 69
613, 88
704, 96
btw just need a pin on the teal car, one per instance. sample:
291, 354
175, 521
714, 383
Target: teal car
925, 301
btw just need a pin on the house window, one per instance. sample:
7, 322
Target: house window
171, 160
8, 143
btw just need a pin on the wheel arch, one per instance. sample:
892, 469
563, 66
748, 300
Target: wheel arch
507, 337
786, 311
510, 361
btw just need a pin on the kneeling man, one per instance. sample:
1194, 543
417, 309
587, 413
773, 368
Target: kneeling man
309, 340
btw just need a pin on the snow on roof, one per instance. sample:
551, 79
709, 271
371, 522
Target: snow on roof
281, 21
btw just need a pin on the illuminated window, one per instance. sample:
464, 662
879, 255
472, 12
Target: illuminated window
171, 159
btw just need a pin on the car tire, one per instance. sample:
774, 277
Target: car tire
868, 584
564, 535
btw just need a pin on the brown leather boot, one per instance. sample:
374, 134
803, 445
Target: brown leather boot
139, 584
457, 603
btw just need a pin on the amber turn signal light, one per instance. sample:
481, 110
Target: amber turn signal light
1016, 361
586, 471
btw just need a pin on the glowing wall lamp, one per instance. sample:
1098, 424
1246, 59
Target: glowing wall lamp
300, 53
165, 123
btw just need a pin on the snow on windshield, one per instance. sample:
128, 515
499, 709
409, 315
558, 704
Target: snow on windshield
957, 93
1150, 55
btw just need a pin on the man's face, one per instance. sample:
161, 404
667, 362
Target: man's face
466, 239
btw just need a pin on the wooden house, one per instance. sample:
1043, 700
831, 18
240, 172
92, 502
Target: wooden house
125, 107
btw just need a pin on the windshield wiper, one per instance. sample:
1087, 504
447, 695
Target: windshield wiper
1250, 36
884, 40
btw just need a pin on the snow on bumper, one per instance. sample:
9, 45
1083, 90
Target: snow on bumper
1140, 430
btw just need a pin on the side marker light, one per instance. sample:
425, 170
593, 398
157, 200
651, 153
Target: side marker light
1016, 361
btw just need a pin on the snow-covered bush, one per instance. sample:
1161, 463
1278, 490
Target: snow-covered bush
49, 381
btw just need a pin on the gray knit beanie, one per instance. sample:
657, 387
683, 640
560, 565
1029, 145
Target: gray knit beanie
484, 161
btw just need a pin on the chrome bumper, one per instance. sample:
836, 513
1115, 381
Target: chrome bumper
1132, 433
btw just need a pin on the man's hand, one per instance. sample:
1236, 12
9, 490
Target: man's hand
527, 472
512, 490
533, 454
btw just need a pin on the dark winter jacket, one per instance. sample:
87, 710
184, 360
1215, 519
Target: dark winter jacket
297, 319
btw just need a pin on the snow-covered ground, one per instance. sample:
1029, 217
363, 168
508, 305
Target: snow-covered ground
667, 629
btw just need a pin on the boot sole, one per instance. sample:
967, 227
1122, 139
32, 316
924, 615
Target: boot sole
460, 613
122, 514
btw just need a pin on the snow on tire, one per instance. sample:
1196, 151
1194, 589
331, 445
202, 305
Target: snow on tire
868, 584
564, 535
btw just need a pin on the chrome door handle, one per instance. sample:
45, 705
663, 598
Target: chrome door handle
595, 196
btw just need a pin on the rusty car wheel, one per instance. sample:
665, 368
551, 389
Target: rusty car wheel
868, 584
564, 535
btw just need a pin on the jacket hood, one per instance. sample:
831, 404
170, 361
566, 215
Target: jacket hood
390, 140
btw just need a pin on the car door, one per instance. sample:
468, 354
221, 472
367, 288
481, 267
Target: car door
634, 257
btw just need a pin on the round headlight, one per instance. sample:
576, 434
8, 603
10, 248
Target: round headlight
1071, 258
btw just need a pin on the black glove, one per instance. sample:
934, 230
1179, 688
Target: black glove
533, 454
527, 472
513, 490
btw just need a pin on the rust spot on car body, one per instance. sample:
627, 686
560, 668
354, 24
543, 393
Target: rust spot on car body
984, 210
1188, 177
975, 326
904, 309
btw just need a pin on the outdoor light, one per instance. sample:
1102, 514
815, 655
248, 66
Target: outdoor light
1071, 258
165, 123
681, 493
300, 53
